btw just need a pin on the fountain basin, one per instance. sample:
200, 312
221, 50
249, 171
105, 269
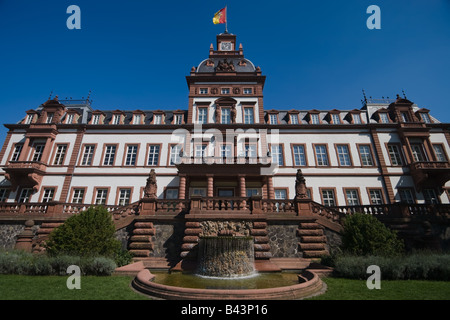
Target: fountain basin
311, 284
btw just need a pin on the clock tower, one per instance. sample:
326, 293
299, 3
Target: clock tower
225, 81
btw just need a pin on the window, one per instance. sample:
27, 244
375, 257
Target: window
78, 195
384, 117
130, 159
226, 151
314, 118
198, 192
357, 118
225, 115
430, 196
321, 155
116, 119
343, 155
49, 117
101, 196
366, 155
88, 154
273, 118
29, 119
200, 151
406, 195
171, 193
280, 194
328, 197
417, 152
202, 115
248, 91
203, 90
293, 118
137, 119
439, 152
425, 117
405, 117
60, 154
336, 119
277, 154
124, 197
157, 119
175, 157
299, 155
17, 150
153, 155
25, 195
96, 119
248, 115
250, 150
38, 152
352, 197
4, 192
69, 119
376, 197
252, 192
225, 91
49, 193
394, 155
110, 154
178, 119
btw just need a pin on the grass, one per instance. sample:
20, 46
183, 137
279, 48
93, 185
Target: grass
350, 289
19, 287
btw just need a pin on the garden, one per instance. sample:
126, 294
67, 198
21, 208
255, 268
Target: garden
87, 241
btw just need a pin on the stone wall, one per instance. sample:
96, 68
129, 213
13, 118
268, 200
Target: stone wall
283, 239
9, 233
167, 240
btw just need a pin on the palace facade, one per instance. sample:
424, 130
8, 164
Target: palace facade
220, 146
227, 148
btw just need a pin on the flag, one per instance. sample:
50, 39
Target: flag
220, 16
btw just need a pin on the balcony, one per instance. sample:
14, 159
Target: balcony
226, 165
26, 174
430, 174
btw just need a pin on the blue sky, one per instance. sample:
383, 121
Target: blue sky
135, 54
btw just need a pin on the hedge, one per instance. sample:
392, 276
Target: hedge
20, 262
417, 266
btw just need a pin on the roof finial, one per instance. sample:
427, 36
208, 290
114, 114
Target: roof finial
89, 94
364, 95
404, 94
50, 96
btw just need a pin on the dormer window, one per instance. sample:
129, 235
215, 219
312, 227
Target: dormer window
69, 119
425, 117
49, 117
137, 119
335, 118
384, 117
96, 119
29, 119
356, 118
273, 117
157, 119
293, 118
314, 118
116, 119
178, 119
405, 116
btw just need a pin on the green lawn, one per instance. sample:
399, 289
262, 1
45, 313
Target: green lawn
17, 287
348, 289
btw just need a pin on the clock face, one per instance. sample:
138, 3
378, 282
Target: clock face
226, 46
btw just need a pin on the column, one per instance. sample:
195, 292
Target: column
25, 150
210, 185
182, 187
242, 185
270, 190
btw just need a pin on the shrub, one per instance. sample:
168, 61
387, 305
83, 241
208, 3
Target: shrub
365, 235
90, 233
19, 262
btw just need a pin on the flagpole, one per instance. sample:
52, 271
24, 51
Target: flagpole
226, 19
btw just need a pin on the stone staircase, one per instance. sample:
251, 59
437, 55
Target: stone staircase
312, 239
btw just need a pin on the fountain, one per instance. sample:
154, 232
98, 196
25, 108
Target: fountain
226, 270
226, 256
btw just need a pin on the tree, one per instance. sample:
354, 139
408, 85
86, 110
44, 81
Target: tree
366, 235
89, 233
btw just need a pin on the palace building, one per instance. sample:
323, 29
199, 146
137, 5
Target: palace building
226, 146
